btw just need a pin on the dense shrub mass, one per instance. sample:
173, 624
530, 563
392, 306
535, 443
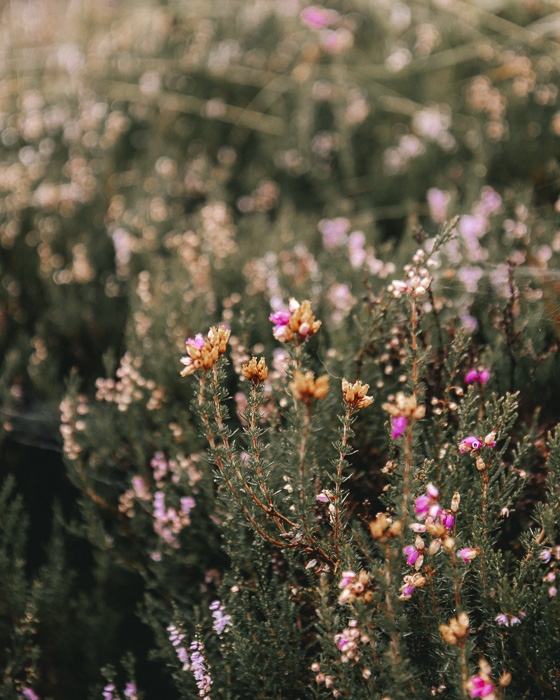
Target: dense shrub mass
279, 372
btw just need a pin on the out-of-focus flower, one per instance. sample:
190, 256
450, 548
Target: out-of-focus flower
404, 408
481, 376
467, 554
306, 388
317, 17
457, 629
296, 322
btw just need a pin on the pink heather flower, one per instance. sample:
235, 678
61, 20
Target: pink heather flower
347, 577
432, 491
467, 554
280, 318
502, 619
480, 688
552, 591
323, 498
479, 376
130, 691
196, 342
447, 520
398, 424
412, 554
334, 231
28, 694
470, 444
318, 17
438, 201
108, 692
422, 505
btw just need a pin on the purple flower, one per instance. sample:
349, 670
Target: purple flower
412, 554
323, 497
475, 375
398, 424
502, 619
447, 520
546, 555
422, 505
470, 444
407, 590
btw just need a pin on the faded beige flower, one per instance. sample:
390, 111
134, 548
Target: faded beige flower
305, 387
457, 629
255, 371
355, 395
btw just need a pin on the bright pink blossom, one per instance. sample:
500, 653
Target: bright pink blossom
479, 376
398, 424
480, 688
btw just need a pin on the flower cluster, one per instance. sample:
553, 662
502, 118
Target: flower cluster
457, 630
221, 620
198, 665
509, 620
354, 586
129, 386
255, 371
355, 395
203, 353
348, 642
418, 279
305, 387
404, 409
298, 322
168, 522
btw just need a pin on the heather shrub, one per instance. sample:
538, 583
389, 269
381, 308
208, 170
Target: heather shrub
278, 339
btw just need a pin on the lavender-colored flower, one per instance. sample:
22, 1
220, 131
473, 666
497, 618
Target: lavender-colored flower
130, 691
502, 619
108, 692
545, 555
398, 424
323, 497
221, 620
28, 694
407, 591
